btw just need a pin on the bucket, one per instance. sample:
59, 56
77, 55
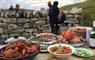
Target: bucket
88, 33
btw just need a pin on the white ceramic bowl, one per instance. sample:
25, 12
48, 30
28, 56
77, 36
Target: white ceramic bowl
61, 55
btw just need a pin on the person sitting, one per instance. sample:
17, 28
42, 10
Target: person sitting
19, 12
17, 7
11, 7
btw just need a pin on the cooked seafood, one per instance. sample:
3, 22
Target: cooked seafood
19, 48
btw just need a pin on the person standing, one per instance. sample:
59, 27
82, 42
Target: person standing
49, 4
11, 7
48, 10
53, 15
63, 18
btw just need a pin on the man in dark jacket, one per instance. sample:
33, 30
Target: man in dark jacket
53, 15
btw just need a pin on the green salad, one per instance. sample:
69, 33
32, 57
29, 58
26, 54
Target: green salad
82, 52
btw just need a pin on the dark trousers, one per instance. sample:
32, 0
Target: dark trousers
54, 28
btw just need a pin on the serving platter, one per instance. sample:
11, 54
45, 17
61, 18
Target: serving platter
75, 45
29, 57
78, 44
44, 40
19, 47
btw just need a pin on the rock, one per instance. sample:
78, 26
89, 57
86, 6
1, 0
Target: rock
40, 14
40, 23
25, 14
6, 31
35, 26
46, 26
33, 20
4, 36
7, 20
12, 26
9, 31
43, 12
27, 35
1, 31
31, 30
42, 19
70, 16
47, 19
73, 21
27, 25
18, 30
47, 31
42, 29
21, 30
31, 14
10, 14
20, 24
1, 14
3, 25
28, 14
12, 20
1, 20
12, 35
19, 14
22, 20
36, 14
13, 31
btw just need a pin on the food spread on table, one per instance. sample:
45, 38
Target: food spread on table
43, 41
19, 49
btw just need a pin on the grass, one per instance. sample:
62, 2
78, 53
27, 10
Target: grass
88, 8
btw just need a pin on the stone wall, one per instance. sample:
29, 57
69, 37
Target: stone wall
23, 26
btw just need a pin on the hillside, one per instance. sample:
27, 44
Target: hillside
89, 9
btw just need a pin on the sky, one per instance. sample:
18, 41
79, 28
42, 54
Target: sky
34, 4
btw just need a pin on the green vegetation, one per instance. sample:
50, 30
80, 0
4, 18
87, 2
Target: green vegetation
89, 10
93, 28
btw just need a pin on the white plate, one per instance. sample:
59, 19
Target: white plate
75, 45
43, 50
1, 46
73, 49
61, 55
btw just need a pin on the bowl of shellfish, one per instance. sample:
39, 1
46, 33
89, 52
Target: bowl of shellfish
19, 50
